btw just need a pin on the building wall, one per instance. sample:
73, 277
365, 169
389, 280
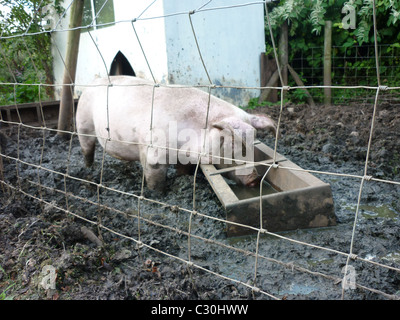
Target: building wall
230, 41
110, 40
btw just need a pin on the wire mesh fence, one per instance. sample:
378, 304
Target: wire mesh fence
351, 66
44, 168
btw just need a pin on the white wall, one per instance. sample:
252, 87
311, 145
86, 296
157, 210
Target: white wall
110, 40
230, 40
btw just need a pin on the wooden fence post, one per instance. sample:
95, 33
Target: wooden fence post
328, 63
71, 58
268, 69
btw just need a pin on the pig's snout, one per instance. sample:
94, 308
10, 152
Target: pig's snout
251, 180
254, 183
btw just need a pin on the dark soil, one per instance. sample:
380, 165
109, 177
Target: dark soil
35, 234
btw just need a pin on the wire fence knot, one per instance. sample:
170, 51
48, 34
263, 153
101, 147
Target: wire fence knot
353, 256
139, 244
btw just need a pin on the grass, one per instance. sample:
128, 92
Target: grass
3, 294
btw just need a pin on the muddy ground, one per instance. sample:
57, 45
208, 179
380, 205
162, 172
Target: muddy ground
34, 234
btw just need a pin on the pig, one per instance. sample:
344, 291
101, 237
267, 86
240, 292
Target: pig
119, 112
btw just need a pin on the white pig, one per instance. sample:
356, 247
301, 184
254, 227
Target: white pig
120, 114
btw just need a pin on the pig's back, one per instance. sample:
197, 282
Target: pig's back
128, 103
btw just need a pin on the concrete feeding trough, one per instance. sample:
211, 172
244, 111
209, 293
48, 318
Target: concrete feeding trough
291, 199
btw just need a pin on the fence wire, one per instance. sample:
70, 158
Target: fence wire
141, 216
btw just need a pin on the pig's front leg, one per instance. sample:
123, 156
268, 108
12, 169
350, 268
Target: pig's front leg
155, 169
155, 176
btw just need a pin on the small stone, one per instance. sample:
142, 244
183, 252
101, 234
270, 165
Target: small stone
122, 255
328, 148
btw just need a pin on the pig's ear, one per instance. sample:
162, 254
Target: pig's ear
223, 124
240, 130
262, 122
233, 124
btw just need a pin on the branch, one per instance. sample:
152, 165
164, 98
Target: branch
265, 93
300, 83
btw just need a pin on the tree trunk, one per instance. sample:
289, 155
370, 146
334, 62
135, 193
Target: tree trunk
283, 53
71, 58
328, 63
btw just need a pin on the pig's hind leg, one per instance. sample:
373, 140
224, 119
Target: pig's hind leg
88, 144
